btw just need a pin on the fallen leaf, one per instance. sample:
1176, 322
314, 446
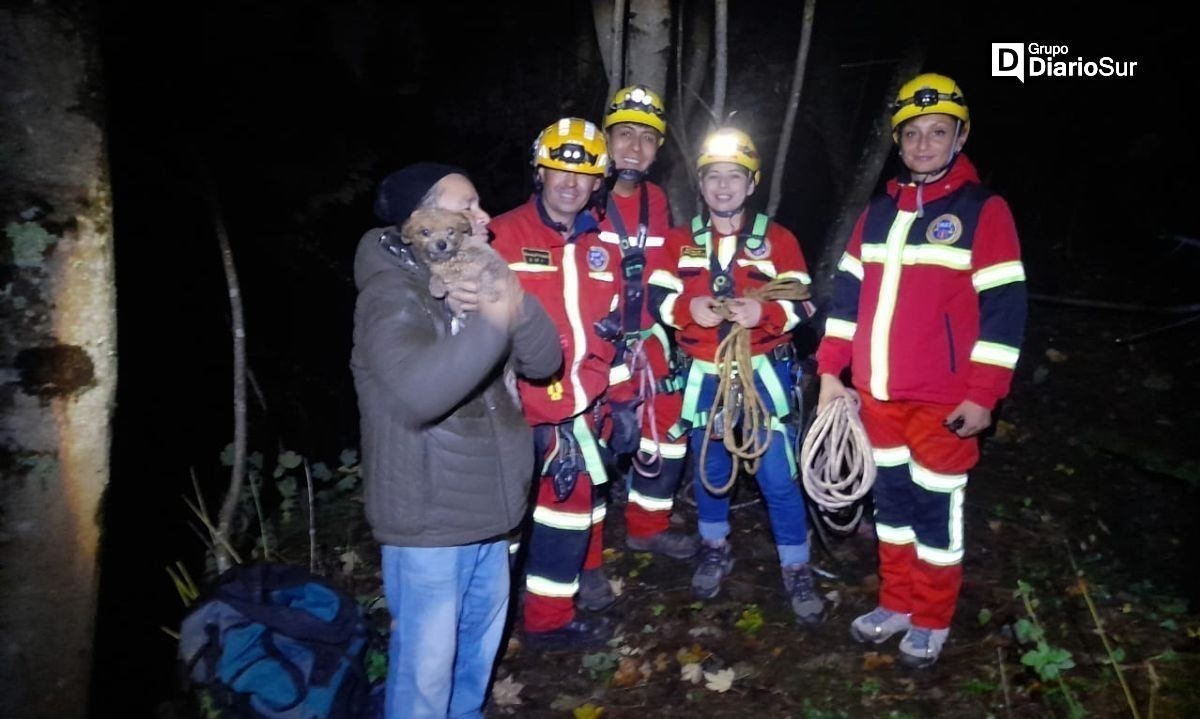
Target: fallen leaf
513, 648
1005, 431
627, 673
834, 597
995, 525
875, 660
1055, 356
704, 631
691, 673
776, 652
350, 560
662, 662
565, 703
611, 555
506, 692
587, 711
719, 682
1064, 469
646, 670
695, 655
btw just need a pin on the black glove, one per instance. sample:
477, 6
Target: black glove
567, 464
627, 426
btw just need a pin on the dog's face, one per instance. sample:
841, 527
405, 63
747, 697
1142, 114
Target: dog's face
436, 235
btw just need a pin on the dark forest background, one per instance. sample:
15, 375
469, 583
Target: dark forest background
288, 113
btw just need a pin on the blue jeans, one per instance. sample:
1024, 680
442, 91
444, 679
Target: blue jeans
448, 607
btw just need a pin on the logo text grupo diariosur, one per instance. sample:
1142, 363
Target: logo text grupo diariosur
1022, 60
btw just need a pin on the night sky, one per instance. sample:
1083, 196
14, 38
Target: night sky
288, 113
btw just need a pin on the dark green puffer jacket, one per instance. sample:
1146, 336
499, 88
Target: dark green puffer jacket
447, 456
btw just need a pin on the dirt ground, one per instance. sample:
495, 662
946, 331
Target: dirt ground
1091, 463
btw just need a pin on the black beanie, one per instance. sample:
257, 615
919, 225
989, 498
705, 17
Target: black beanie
401, 192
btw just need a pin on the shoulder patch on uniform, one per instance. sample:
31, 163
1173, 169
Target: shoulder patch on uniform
597, 258
944, 230
692, 252
758, 248
535, 257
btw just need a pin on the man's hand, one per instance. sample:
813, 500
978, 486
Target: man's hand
504, 311
462, 297
831, 388
746, 311
704, 311
968, 419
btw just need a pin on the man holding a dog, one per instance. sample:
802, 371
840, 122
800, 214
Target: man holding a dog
447, 454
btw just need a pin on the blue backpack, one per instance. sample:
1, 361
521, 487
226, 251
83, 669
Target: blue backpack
272, 641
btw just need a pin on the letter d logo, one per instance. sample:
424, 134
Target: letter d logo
1008, 59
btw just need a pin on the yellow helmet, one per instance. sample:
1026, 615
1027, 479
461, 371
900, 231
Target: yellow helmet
640, 104
928, 94
574, 145
730, 145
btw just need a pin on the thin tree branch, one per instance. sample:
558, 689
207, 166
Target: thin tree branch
789, 120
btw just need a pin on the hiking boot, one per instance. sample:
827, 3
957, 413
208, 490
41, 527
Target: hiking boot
575, 634
669, 543
715, 563
879, 625
807, 602
595, 593
921, 647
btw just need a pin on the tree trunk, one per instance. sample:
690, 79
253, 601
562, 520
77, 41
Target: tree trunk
789, 120
609, 18
58, 353
870, 164
721, 66
649, 48
700, 41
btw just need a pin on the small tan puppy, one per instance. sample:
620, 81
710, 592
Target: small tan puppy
442, 240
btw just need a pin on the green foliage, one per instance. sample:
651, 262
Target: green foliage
977, 687
377, 662
812, 712
657, 610
985, 616
870, 687
751, 620
599, 666
1047, 661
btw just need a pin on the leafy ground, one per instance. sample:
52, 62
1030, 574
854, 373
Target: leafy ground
1091, 466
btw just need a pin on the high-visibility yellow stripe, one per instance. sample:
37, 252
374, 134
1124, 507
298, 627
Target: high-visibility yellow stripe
667, 310
997, 275
590, 449
939, 557
995, 353
573, 521
602, 276
803, 277
666, 280
666, 451
726, 249
789, 311
840, 328
514, 547
650, 504
529, 267
686, 262
936, 481
619, 374
851, 265
615, 303
599, 512
575, 320
955, 530
889, 287
895, 535
766, 267
548, 588
955, 258
890, 456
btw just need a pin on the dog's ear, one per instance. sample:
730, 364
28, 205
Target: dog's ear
412, 226
464, 224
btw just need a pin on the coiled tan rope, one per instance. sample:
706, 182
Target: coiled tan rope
737, 394
836, 465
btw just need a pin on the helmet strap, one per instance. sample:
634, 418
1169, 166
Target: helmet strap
630, 174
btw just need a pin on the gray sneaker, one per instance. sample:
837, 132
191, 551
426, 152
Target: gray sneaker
715, 564
921, 647
595, 593
807, 602
879, 625
669, 543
